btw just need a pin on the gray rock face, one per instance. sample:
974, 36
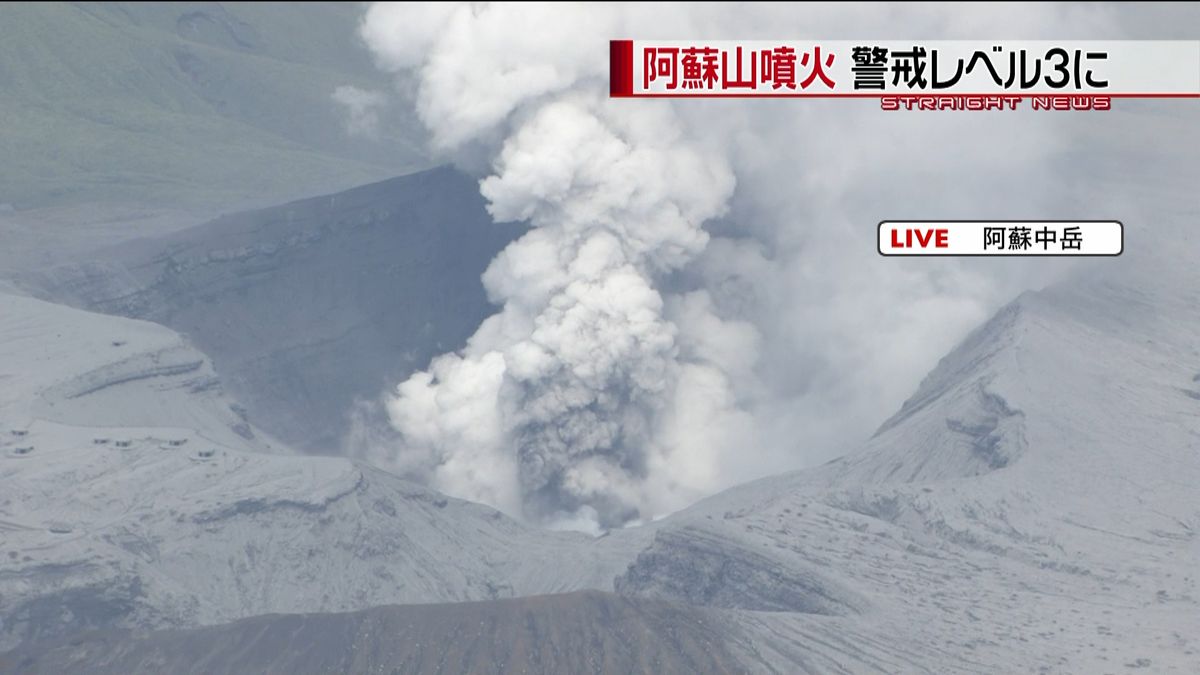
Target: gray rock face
307, 307
132, 496
587, 632
701, 569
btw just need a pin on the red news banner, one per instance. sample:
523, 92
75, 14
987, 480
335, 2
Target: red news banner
912, 75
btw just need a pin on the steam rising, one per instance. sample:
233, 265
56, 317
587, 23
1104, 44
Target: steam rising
624, 375
361, 107
565, 403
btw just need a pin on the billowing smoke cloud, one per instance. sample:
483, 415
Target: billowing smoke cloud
639, 360
567, 401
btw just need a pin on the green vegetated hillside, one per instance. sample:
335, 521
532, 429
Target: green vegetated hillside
186, 104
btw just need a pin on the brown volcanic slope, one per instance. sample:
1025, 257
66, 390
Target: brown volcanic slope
584, 632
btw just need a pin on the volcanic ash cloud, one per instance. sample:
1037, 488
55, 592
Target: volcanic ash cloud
585, 401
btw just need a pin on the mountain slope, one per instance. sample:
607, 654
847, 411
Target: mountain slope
185, 104
311, 306
1033, 506
133, 494
579, 633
